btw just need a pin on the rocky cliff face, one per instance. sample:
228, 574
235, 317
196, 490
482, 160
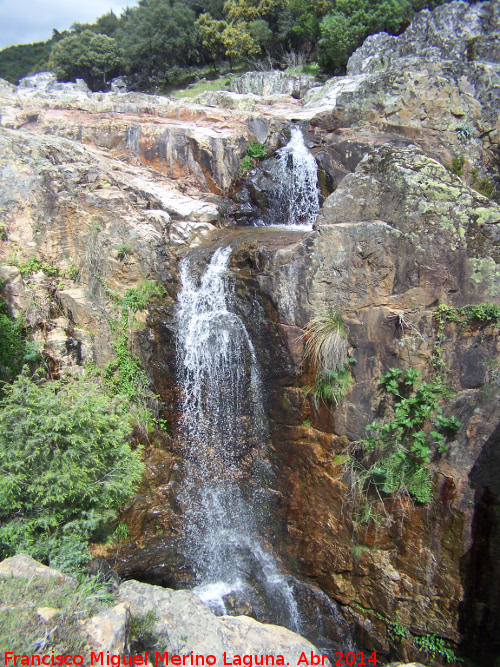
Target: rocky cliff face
111, 189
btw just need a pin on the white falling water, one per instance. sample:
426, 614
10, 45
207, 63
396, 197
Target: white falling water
222, 422
295, 173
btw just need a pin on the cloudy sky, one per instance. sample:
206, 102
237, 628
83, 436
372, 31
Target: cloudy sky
24, 21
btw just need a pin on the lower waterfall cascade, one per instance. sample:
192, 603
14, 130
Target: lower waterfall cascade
222, 426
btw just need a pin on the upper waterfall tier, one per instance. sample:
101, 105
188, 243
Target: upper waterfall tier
295, 173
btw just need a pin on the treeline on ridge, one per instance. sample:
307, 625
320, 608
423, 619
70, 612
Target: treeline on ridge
160, 44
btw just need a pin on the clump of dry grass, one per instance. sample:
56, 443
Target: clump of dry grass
327, 344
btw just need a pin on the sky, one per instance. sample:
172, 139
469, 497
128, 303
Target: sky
25, 21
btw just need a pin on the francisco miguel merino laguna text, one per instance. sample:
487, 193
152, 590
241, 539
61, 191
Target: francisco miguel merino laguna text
104, 658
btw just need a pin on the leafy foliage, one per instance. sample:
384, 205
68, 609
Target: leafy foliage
436, 646
124, 375
15, 348
348, 25
482, 313
156, 36
464, 133
331, 386
66, 466
86, 55
256, 150
246, 164
399, 449
159, 42
23, 59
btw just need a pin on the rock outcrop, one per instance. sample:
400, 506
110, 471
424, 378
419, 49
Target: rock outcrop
273, 83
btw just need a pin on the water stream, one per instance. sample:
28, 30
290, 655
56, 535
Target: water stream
295, 172
224, 431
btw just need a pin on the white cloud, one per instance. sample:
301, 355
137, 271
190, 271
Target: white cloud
25, 21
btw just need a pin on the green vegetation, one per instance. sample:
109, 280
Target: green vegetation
255, 151
483, 314
485, 187
123, 252
22, 630
121, 533
15, 348
143, 636
457, 165
124, 375
431, 644
158, 44
86, 55
396, 452
24, 59
331, 386
64, 445
220, 83
326, 348
464, 133
33, 265
435, 645
246, 164
349, 24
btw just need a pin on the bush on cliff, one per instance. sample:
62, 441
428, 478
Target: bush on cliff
66, 466
350, 23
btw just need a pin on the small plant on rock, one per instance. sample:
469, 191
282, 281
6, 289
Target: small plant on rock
326, 347
464, 133
256, 150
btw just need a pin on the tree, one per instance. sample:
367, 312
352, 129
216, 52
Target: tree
350, 23
87, 55
157, 36
211, 31
66, 466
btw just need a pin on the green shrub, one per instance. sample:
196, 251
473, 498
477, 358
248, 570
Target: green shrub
347, 26
246, 164
256, 150
31, 265
64, 445
399, 449
464, 133
15, 349
326, 347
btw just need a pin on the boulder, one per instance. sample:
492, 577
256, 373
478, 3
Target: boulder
24, 566
108, 631
453, 31
184, 624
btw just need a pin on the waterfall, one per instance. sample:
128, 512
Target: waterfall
295, 172
223, 429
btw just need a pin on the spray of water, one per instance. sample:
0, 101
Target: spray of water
222, 423
295, 173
